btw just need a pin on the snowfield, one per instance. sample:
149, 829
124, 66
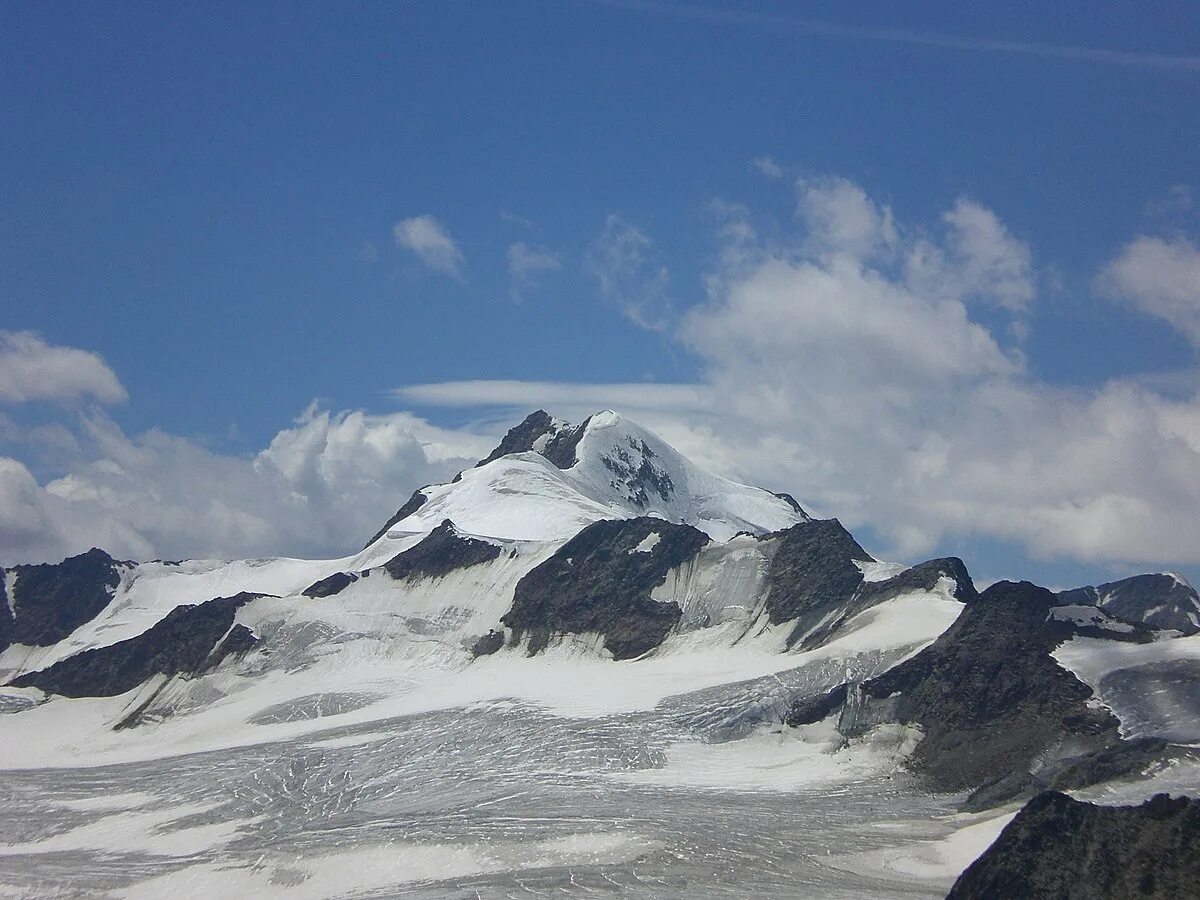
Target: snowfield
361, 743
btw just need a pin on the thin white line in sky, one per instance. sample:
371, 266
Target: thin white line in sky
1066, 52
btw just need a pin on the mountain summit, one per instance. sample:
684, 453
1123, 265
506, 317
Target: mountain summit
547, 479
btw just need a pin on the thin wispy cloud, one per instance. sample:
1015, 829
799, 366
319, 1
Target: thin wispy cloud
818, 28
527, 264
428, 239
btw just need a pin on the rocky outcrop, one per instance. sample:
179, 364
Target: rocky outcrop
557, 441
441, 552
1124, 759
415, 502
1162, 602
987, 695
600, 582
1063, 848
51, 600
815, 582
812, 572
190, 640
330, 585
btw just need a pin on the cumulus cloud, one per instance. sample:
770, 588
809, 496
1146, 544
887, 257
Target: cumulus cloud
631, 274
1160, 278
426, 237
526, 264
320, 489
31, 370
842, 220
868, 386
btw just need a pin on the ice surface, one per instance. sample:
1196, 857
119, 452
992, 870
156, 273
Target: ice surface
622, 471
1154, 689
504, 777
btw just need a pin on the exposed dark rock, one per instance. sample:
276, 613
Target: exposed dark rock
560, 449
190, 640
598, 582
989, 698
415, 502
488, 644
816, 709
812, 570
51, 600
1063, 848
521, 438
815, 581
791, 501
1160, 601
634, 472
921, 577
924, 577
441, 552
1123, 759
333, 584
1093, 622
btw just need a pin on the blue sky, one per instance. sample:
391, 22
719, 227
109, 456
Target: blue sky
213, 200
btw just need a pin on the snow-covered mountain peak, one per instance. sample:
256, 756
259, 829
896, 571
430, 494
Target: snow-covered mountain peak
548, 478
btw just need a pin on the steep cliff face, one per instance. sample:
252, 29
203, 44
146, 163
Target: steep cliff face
601, 581
49, 601
1059, 847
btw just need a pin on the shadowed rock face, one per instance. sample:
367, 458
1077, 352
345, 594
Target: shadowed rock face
1158, 601
559, 448
812, 571
333, 584
50, 601
814, 580
441, 552
599, 582
190, 640
415, 502
521, 438
987, 695
1062, 848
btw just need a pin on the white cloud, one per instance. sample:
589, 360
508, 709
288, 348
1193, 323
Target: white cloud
428, 239
981, 260
841, 219
320, 489
875, 395
31, 369
630, 273
526, 264
767, 167
1159, 277
568, 399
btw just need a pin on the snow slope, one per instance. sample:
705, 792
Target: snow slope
621, 470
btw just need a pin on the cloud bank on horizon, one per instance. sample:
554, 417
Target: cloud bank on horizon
874, 368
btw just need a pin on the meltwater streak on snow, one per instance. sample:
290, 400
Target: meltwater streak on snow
473, 791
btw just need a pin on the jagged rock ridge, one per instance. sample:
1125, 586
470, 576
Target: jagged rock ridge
1063, 848
191, 640
51, 600
987, 694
